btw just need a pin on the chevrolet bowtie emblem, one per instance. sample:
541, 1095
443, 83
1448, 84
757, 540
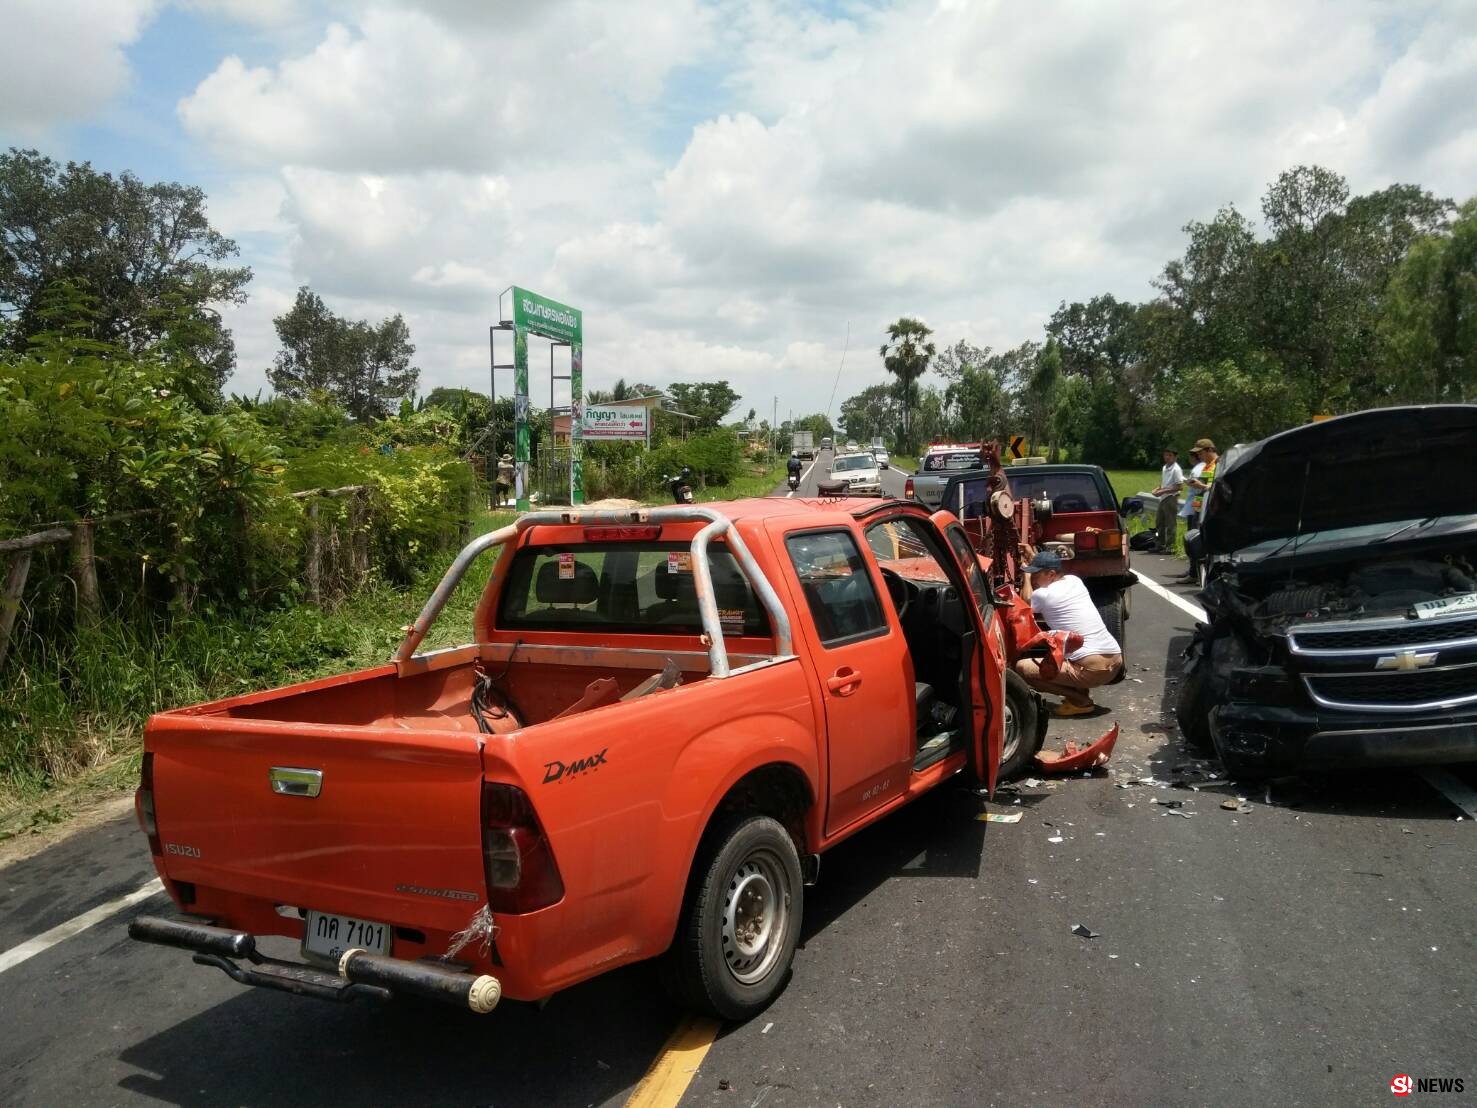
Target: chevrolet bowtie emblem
1406, 660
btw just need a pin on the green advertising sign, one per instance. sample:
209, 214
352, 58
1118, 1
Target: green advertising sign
530, 313
546, 317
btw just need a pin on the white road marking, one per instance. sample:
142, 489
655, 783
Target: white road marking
1178, 601
1462, 795
75, 926
803, 476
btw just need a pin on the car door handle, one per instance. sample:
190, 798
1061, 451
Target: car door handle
844, 681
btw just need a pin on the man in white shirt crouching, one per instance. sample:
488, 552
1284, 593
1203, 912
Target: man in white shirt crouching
1063, 603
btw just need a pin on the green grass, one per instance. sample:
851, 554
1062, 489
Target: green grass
908, 463
758, 479
1127, 482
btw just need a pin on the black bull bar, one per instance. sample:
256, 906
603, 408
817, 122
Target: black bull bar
360, 976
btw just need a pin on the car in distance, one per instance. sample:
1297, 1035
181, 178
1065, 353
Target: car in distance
1341, 596
884, 459
853, 475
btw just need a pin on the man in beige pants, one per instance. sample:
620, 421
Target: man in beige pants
1063, 603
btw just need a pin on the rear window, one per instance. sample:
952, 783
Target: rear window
856, 461
1069, 492
953, 460
625, 587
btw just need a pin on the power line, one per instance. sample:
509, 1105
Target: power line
830, 407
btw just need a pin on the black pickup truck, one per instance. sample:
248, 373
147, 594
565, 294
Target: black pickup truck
1342, 602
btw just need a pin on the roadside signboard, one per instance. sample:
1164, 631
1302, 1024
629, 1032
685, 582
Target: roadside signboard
528, 313
614, 422
1017, 446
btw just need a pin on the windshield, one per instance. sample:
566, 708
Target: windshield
1069, 492
856, 461
625, 587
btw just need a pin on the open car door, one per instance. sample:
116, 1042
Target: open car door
987, 674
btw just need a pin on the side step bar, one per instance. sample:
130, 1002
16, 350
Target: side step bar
361, 976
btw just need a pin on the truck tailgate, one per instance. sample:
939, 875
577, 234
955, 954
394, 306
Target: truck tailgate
392, 835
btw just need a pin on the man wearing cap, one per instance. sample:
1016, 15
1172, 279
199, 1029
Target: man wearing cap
1171, 478
1200, 484
1062, 602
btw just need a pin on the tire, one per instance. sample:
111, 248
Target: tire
1024, 726
1192, 707
1112, 612
747, 859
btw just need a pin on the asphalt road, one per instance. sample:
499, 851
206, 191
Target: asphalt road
1302, 952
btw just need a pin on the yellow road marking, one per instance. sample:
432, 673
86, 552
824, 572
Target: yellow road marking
673, 1069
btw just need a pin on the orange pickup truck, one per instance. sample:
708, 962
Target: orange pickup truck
663, 718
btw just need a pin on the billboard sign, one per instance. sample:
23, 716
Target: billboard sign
613, 422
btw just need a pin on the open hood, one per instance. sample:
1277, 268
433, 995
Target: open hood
1378, 466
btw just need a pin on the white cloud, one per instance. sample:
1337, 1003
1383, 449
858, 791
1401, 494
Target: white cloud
975, 163
260, 13
62, 61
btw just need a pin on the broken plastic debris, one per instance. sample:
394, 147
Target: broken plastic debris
1170, 803
1000, 817
1073, 758
1177, 812
1054, 839
1032, 881
1088, 933
1033, 782
767, 1026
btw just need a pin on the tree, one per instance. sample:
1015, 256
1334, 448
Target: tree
365, 368
819, 425
146, 255
709, 401
1428, 333
906, 355
871, 412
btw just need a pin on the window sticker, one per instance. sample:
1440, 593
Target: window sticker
566, 567
679, 561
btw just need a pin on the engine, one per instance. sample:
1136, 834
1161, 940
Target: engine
1373, 588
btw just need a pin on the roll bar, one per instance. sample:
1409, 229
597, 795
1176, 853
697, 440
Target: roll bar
717, 526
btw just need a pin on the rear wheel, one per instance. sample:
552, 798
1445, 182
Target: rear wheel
1192, 708
1023, 730
741, 920
1112, 612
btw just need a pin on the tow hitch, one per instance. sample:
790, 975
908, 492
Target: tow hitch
361, 976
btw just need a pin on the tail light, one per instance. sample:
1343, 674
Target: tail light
143, 806
1085, 540
521, 873
1110, 540
622, 534
908, 488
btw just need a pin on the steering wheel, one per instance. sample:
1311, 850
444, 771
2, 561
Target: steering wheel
899, 591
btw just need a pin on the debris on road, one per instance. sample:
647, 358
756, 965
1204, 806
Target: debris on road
1074, 758
1085, 931
1170, 803
1237, 804
1054, 839
999, 817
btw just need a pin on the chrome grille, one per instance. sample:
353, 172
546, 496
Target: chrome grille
1423, 689
1375, 634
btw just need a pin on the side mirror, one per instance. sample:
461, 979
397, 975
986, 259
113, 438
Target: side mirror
1194, 545
1132, 506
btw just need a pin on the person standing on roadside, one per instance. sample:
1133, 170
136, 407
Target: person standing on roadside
1171, 479
1201, 485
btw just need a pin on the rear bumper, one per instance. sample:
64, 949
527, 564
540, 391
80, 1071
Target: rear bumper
1291, 738
360, 976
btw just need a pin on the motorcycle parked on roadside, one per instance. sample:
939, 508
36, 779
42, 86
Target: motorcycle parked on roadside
681, 486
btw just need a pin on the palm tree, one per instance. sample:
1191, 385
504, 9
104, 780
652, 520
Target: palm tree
906, 355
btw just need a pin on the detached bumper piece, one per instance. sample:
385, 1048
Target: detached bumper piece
361, 976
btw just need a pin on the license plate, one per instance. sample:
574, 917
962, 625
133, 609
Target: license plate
1428, 609
327, 935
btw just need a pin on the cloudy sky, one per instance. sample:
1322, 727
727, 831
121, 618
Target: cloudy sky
726, 187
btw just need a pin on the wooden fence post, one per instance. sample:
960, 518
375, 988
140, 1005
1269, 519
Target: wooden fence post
84, 566
10, 599
315, 555
359, 535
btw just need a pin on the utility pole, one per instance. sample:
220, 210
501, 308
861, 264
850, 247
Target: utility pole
774, 428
